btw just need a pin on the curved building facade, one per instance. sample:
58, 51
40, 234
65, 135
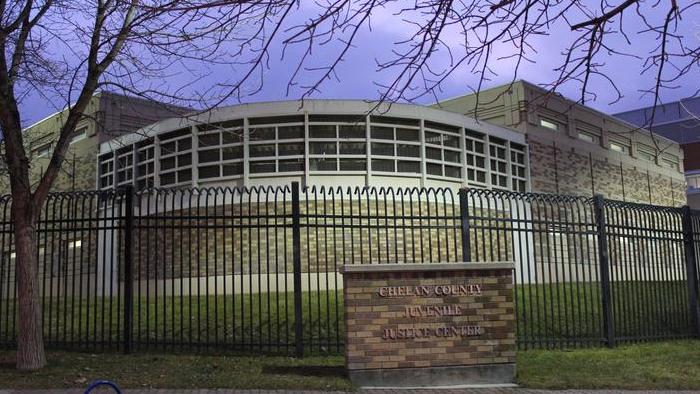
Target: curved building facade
317, 142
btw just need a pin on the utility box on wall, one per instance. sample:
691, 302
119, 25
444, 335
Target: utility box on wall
425, 325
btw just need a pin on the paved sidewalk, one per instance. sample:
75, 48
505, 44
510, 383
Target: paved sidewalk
373, 391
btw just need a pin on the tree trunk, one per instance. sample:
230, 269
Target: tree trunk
30, 340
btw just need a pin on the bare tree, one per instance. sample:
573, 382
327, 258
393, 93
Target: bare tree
66, 50
105, 42
446, 37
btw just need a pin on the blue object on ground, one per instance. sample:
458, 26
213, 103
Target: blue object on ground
99, 383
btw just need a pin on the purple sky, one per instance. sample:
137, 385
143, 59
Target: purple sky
358, 72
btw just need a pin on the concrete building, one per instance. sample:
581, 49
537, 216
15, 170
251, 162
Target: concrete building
548, 146
107, 116
678, 121
577, 150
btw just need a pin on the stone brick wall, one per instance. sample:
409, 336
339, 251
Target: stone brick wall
257, 238
381, 334
557, 170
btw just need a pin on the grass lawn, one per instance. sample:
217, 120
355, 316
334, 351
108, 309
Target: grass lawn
548, 316
663, 365
76, 370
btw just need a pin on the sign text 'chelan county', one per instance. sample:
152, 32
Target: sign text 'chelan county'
430, 290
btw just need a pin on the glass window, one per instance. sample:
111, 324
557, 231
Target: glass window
452, 156
221, 125
693, 182
550, 124
232, 137
382, 149
167, 179
588, 137
433, 138
145, 169
264, 150
382, 133
450, 140
167, 148
184, 144
441, 126
646, 152
353, 148
498, 166
474, 146
408, 166
476, 161
175, 134
277, 119
209, 140
184, 160
382, 165
329, 118
498, 152
323, 164
262, 133
291, 165
353, 164
290, 132
618, 147
290, 149
145, 154
258, 167
408, 135
106, 167
433, 153
78, 135
144, 183
517, 157
352, 131
408, 150
232, 169
209, 172
184, 175
476, 175
392, 120
124, 176
499, 180
453, 172
323, 148
167, 164
232, 152
207, 156
433, 169
322, 131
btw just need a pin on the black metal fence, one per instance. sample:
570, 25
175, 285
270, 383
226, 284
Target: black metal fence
256, 269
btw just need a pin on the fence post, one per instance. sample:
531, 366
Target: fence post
296, 250
691, 270
128, 267
464, 217
604, 263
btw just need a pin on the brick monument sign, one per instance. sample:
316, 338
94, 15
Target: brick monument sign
418, 325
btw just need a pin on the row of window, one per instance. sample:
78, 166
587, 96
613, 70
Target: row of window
619, 144
394, 146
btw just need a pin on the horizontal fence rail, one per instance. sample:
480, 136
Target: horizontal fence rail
257, 270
